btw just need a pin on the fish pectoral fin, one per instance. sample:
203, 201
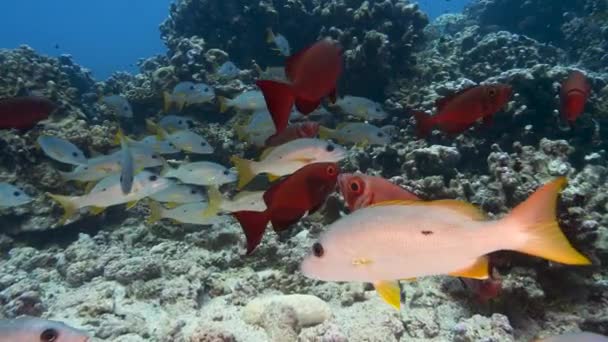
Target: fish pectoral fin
390, 292
272, 177
409, 279
171, 205
88, 187
131, 204
478, 270
97, 210
305, 160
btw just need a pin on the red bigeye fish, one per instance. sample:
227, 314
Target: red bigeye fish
484, 290
24, 112
296, 131
459, 111
573, 95
361, 190
312, 73
289, 200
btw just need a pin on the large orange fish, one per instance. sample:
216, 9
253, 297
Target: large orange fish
289, 200
573, 95
24, 112
307, 129
459, 111
361, 190
312, 73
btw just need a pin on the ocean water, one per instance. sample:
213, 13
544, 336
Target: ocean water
411, 176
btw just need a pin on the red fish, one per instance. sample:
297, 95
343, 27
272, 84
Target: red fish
484, 290
457, 112
360, 190
312, 73
296, 131
573, 95
289, 200
24, 112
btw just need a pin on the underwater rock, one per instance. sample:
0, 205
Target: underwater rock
309, 310
128, 270
481, 328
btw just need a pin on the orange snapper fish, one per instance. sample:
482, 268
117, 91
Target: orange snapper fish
396, 240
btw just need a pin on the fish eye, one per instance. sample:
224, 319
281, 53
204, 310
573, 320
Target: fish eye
49, 335
16, 194
492, 92
191, 87
152, 178
206, 89
125, 108
317, 250
330, 148
355, 186
179, 122
331, 170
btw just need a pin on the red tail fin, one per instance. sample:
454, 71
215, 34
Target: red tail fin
307, 107
424, 124
254, 224
279, 101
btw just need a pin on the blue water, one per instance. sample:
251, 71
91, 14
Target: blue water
109, 35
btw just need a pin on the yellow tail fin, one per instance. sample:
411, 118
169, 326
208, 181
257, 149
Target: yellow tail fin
269, 36
223, 103
68, 205
215, 201
325, 133
168, 101
539, 232
156, 212
243, 168
390, 292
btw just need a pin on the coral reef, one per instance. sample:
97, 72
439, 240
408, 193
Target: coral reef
125, 280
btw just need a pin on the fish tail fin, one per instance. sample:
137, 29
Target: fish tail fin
424, 124
223, 103
68, 205
167, 101
390, 292
254, 224
181, 102
269, 36
279, 99
215, 201
538, 232
156, 212
326, 133
244, 170
167, 170
154, 128
119, 138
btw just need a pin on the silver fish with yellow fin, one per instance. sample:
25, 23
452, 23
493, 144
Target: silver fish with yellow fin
61, 150
361, 107
356, 133
119, 105
395, 240
188, 93
12, 196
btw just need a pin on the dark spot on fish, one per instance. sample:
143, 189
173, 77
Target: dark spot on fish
104, 189
377, 110
179, 122
380, 134
203, 143
427, 232
86, 168
75, 154
193, 192
317, 249
330, 148
49, 335
153, 178
154, 156
191, 87
226, 172
16, 194
125, 108
206, 89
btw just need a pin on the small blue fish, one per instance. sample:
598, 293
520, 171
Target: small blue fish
281, 43
61, 150
119, 105
228, 70
173, 123
187, 93
11, 196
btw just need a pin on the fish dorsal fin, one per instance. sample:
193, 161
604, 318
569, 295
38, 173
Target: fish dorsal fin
292, 63
97, 210
266, 152
460, 206
442, 102
390, 292
478, 270
131, 204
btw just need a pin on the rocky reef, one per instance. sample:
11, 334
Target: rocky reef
125, 280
